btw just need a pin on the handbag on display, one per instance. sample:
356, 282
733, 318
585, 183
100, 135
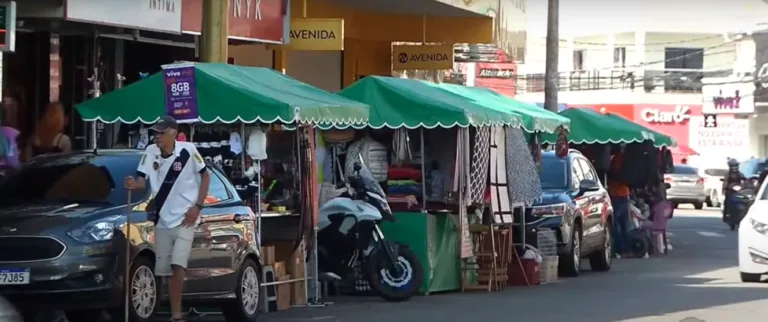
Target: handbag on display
334, 136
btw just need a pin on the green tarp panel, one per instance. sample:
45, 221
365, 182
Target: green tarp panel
589, 126
229, 93
435, 240
397, 102
535, 119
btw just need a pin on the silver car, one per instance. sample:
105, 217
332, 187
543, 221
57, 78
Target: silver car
686, 186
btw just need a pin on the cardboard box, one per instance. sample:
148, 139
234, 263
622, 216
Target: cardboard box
284, 293
268, 255
295, 267
279, 269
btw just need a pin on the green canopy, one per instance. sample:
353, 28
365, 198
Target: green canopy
534, 118
398, 102
228, 93
589, 126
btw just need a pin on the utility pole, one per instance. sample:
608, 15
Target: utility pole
551, 76
214, 31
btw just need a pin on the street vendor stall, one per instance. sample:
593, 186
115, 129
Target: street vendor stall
432, 181
238, 117
624, 152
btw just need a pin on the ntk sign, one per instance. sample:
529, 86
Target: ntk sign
425, 57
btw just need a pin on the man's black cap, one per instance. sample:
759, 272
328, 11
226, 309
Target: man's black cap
165, 123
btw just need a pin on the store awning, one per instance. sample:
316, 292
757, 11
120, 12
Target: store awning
534, 118
228, 93
589, 126
397, 102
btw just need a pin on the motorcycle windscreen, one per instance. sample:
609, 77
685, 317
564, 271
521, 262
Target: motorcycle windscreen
373, 187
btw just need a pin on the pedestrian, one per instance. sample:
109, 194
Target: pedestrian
179, 182
49, 136
619, 193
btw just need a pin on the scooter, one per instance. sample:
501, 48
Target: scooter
740, 198
349, 232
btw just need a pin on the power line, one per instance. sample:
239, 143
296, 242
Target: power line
645, 44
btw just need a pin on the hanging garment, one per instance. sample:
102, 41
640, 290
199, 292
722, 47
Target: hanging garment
653, 168
667, 162
561, 146
521, 171
257, 144
602, 157
235, 143
478, 172
373, 154
401, 146
634, 166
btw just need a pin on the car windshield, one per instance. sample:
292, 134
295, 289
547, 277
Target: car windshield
71, 178
369, 182
684, 169
752, 167
554, 173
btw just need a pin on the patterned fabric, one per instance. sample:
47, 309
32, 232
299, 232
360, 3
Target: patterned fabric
523, 176
500, 202
479, 164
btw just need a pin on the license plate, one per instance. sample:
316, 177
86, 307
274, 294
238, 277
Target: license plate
14, 276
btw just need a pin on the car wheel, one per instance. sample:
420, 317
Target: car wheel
246, 306
143, 301
698, 206
708, 202
750, 278
602, 259
570, 261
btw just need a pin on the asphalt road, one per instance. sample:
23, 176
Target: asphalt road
698, 279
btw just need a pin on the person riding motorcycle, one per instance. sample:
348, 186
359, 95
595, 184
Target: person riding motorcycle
732, 178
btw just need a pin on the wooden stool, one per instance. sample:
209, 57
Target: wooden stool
491, 251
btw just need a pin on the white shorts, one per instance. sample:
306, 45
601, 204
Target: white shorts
172, 247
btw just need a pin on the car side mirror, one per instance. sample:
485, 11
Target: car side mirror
587, 185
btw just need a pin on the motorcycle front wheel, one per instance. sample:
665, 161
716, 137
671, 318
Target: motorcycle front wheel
395, 286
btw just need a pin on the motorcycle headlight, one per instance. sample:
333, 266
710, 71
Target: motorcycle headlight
97, 231
759, 227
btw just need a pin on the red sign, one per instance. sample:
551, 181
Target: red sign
251, 20
672, 120
499, 77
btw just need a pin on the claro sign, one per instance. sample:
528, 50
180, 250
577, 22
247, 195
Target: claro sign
426, 57
681, 114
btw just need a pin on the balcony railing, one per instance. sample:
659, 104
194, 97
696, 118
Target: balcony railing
649, 81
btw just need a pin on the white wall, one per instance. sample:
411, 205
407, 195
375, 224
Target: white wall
614, 97
717, 53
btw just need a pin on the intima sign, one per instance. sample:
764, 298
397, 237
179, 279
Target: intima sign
681, 114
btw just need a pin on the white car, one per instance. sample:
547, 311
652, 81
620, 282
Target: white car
753, 239
713, 187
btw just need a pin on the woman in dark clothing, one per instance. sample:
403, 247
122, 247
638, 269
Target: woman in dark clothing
48, 137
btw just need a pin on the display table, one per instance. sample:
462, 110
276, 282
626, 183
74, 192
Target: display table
434, 238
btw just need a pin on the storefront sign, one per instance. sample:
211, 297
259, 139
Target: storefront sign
250, 20
499, 77
425, 57
153, 15
761, 72
730, 96
679, 115
180, 92
730, 138
317, 34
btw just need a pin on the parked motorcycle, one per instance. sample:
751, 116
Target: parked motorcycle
349, 233
740, 198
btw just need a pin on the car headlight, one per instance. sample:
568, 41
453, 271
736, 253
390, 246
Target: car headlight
759, 227
97, 231
550, 210
736, 188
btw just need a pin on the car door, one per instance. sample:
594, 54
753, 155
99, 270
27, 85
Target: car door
215, 248
582, 201
598, 201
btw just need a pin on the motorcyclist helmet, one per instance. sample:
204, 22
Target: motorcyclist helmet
733, 163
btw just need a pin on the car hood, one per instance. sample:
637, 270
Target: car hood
552, 197
37, 218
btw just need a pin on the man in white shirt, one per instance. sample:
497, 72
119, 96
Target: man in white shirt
179, 180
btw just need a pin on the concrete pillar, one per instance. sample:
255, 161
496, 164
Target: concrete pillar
213, 37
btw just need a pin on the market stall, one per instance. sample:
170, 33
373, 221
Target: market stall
257, 125
645, 155
433, 180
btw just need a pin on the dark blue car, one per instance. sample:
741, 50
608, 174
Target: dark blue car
576, 206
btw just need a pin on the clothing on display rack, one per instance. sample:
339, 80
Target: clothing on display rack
257, 144
213, 145
522, 173
373, 154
